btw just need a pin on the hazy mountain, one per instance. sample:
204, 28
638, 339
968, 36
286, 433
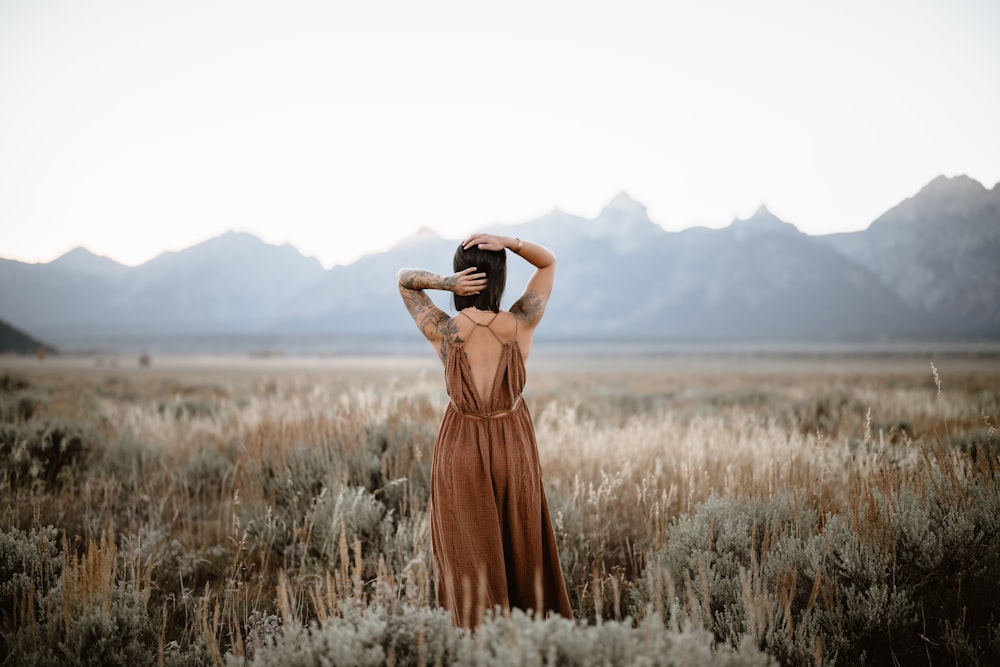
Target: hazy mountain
15, 341
760, 279
84, 262
56, 299
926, 268
363, 297
231, 283
234, 282
940, 251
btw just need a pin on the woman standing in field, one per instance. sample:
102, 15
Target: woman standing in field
490, 524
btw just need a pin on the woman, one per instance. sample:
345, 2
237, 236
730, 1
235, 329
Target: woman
490, 525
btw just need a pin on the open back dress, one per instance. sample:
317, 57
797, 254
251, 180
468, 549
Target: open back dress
490, 524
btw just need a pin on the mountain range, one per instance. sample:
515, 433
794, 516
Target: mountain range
15, 341
927, 269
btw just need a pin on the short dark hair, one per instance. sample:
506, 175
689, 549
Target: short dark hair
491, 262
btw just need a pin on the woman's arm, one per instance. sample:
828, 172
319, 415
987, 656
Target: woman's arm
433, 322
530, 306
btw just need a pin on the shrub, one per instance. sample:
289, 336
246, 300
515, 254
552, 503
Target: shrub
906, 572
50, 452
20, 406
119, 632
341, 642
352, 511
29, 564
72, 610
11, 383
426, 636
188, 408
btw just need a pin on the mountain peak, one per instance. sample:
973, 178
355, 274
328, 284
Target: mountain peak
623, 204
763, 221
626, 222
83, 260
233, 237
248, 242
953, 186
624, 211
947, 201
423, 235
79, 253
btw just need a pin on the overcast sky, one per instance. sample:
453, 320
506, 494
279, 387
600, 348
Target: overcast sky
135, 127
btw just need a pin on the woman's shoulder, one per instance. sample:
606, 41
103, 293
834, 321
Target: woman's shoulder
508, 327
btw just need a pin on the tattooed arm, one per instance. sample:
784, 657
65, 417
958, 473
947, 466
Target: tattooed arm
433, 322
530, 307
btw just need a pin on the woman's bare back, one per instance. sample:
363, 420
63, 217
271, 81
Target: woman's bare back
482, 336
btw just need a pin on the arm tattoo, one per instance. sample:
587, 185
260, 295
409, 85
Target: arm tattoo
417, 279
530, 306
433, 322
423, 311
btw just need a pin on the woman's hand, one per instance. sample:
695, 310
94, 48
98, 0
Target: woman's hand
487, 242
465, 282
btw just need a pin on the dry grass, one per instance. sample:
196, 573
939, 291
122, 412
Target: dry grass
228, 501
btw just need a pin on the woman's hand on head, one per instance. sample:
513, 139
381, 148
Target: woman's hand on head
466, 282
485, 242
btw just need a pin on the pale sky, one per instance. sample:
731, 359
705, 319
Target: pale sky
135, 127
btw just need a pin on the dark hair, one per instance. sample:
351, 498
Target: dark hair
491, 262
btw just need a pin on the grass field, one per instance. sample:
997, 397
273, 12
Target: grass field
725, 509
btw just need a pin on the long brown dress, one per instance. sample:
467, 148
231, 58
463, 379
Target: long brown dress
490, 523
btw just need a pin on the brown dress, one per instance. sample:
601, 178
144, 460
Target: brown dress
490, 524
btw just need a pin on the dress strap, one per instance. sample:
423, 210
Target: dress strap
487, 325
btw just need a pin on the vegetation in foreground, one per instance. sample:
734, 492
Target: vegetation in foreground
821, 518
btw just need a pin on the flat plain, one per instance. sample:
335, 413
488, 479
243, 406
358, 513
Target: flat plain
809, 506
